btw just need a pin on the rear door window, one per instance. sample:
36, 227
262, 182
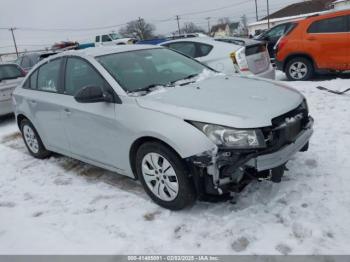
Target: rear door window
331, 25
187, 48
203, 49
48, 78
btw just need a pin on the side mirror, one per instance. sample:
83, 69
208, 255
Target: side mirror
93, 94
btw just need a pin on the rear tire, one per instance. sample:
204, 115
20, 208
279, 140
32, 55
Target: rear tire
164, 176
33, 141
299, 69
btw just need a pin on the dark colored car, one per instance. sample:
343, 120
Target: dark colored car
272, 36
27, 61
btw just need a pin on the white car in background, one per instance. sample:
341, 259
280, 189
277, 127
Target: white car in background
225, 55
11, 75
111, 39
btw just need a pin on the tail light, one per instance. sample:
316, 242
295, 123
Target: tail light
239, 60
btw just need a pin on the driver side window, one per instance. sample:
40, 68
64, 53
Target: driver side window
79, 74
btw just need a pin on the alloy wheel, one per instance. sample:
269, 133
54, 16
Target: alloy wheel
31, 139
160, 176
298, 70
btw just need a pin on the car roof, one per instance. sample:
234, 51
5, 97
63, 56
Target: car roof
106, 50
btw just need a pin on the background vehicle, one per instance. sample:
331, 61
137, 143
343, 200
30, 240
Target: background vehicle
113, 39
315, 45
272, 36
11, 75
27, 61
229, 58
196, 136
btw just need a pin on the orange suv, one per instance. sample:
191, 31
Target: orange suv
316, 44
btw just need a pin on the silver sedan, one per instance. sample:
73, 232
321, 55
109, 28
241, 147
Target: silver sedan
150, 113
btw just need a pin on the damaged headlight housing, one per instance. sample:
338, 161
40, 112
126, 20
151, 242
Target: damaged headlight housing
227, 137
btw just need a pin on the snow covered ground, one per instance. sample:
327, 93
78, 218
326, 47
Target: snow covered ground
63, 206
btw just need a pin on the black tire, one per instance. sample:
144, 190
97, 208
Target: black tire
305, 62
42, 152
186, 195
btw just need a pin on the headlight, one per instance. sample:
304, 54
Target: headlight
227, 137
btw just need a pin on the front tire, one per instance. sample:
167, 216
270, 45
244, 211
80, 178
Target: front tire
33, 141
299, 69
164, 176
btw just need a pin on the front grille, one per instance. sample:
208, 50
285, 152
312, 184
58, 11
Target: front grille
286, 128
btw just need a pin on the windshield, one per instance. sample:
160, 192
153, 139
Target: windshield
137, 70
115, 36
9, 72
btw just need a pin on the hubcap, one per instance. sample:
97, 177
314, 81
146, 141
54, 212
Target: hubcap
298, 70
160, 176
31, 139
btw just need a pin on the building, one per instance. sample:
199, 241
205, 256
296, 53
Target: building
227, 29
341, 4
295, 12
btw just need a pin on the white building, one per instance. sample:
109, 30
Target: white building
341, 4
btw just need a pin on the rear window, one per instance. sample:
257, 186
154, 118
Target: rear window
331, 25
10, 72
255, 49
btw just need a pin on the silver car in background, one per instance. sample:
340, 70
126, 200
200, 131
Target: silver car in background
228, 55
150, 113
11, 75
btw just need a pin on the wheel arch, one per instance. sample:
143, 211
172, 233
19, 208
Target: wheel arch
295, 55
136, 145
20, 118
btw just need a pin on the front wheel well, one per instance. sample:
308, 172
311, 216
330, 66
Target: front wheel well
20, 118
136, 145
289, 58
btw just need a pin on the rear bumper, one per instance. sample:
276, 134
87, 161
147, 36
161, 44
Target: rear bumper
269, 74
279, 65
6, 107
282, 156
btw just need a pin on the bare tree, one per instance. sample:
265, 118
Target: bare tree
224, 20
139, 29
244, 25
190, 27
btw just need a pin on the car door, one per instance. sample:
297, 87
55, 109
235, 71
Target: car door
44, 99
91, 128
327, 41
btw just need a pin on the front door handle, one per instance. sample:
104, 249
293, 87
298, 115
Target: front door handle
33, 102
67, 111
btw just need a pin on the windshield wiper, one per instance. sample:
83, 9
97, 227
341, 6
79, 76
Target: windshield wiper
150, 87
185, 78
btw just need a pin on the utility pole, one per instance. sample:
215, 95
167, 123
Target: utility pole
14, 40
178, 24
208, 18
141, 30
256, 10
268, 14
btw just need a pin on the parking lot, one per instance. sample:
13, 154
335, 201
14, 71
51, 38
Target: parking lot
64, 206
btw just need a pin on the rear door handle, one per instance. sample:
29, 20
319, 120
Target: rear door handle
33, 102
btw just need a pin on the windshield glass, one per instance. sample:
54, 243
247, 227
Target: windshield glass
137, 70
9, 72
115, 36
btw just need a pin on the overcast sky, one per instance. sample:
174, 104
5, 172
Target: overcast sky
83, 14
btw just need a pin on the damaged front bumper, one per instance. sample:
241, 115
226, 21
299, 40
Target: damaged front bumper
216, 173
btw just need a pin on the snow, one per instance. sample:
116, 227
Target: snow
63, 206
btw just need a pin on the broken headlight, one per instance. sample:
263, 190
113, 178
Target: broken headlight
227, 137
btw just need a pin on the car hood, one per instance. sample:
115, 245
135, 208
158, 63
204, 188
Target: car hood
239, 102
